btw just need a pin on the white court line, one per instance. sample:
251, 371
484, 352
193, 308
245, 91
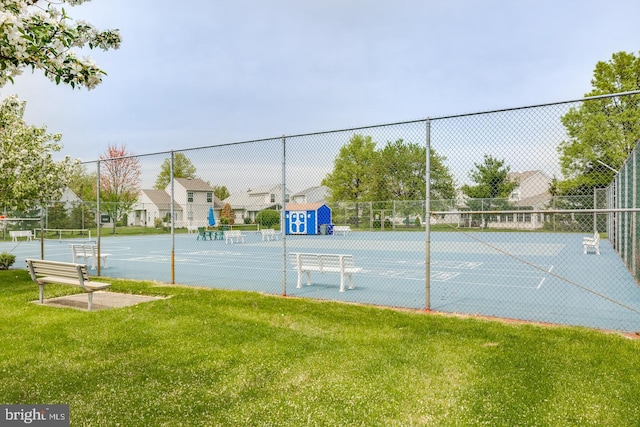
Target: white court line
160, 259
444, 276
391, 273
535, 282
453, 272
470, 265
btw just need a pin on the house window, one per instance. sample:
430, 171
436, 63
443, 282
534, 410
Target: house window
273, 198
190, 196
209, 197
286, 198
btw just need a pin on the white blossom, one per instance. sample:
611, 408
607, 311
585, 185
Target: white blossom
37, 34
31, 175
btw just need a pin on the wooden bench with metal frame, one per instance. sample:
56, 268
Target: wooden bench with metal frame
63, 273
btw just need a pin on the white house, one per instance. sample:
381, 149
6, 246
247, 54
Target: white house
69, 199
150, 205
193, 198
532, 189
532, 193
247, 205
317, 194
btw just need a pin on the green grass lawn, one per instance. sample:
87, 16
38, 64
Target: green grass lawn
207, 357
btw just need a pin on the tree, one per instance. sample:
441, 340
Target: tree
182, 168
226, 215
443, 185
602, 132
30, 176
399, 173
37, 34
221, 192
57, 216
81, 216
493, 185
351, 170
83, 183
119, 181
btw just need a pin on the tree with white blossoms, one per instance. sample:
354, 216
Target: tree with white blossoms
36, 34
39, 35
30, 176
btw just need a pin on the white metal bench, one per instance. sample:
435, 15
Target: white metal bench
591, 244
324, 263
269, 234
88, 252
344, 229
233, 235
192, 229
63, 273
20, 233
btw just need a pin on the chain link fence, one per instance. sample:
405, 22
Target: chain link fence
622, 196
492, 221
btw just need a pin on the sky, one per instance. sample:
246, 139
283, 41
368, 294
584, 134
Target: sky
196, 73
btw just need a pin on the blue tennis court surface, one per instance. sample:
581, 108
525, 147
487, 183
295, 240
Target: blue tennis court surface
540, 277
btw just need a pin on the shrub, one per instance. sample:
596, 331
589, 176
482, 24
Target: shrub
268, 218
247, 220
6, 260
157, 222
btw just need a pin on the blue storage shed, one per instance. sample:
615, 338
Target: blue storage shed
307, 218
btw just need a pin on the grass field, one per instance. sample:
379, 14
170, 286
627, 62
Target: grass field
207, 357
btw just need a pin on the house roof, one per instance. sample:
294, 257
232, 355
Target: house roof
319, 192
254, 200
69, 196
523, 176
160, 198
303, 206
194, 184
267, 189
239, 199
308, 190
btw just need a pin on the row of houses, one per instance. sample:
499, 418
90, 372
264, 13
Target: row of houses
193, 198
